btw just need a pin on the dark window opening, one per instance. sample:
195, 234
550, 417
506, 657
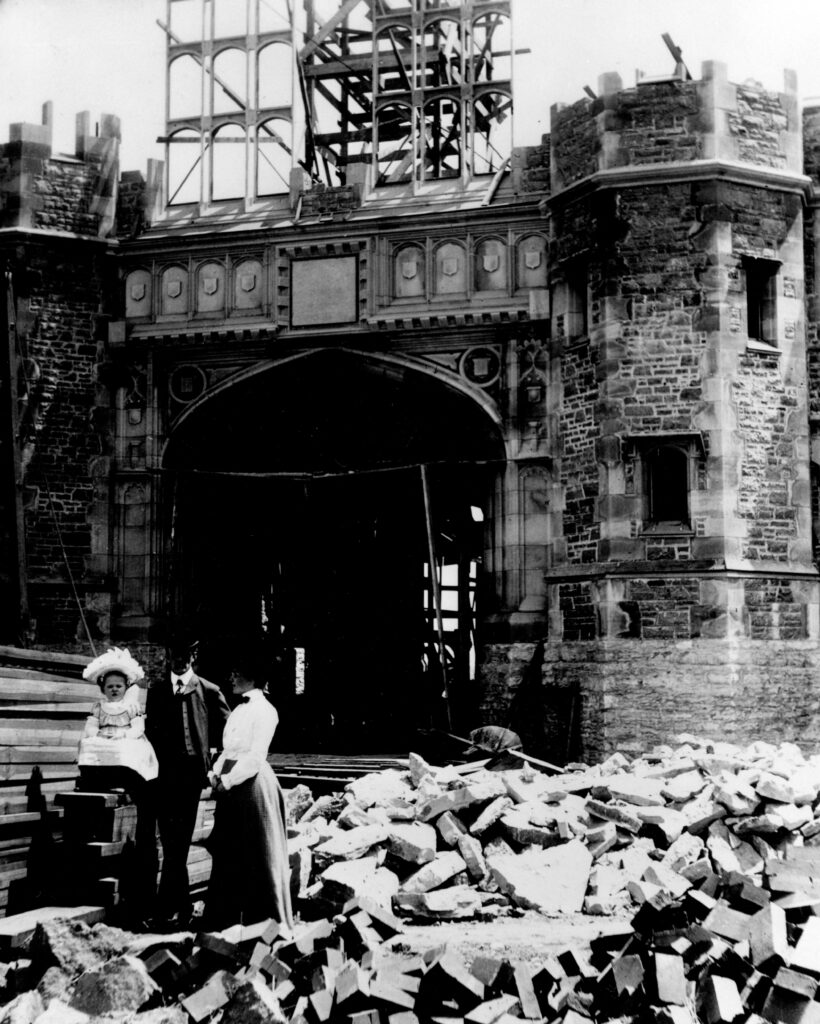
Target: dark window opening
761, 291
667, 485
577, 299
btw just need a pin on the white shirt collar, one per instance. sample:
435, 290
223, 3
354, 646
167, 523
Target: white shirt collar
185, 678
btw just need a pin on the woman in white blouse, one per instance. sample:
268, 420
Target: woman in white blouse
250, 876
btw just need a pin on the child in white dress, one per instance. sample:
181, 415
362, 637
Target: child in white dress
114, 736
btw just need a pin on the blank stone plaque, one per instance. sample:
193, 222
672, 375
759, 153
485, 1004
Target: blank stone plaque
324, 291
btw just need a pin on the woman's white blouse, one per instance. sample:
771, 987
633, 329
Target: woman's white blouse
246, 739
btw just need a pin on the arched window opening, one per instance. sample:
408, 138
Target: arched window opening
441, 139
442, 57
229, 82
395, 148
274, 157
185, 88
394, 64
228, 166
184, 168
492, 131
275, 76
491, 53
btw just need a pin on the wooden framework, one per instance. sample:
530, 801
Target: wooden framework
414, 90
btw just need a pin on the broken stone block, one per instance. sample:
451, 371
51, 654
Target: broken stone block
122, 985
252, 1003
670, 979
470, 849
430, 876
450, 904
450, 828
73, 946
553, 881
498, 847
759, 824
377, 787
601, 839
354, 816
720, 1001
773, 787
683, 787
419, 768
735, 795
490, 815
723, 856
352, 844
613, 812
414, 842
24, 1008
346, 880
57, 1013
213, 995
461, 798
516, 826
633, 789
686, 849
664, 824
322, 807
806, 954
297, 801
667, 879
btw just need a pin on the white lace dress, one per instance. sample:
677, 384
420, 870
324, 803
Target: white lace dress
114, 737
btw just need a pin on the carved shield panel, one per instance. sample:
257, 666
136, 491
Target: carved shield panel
532, 259
247, 282
210, 285
449, 266
138, 291
490, 261
409, 268
174, 288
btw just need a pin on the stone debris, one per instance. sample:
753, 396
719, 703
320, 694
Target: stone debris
709, 852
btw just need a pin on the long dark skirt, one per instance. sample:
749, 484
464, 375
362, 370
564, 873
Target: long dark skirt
250, 876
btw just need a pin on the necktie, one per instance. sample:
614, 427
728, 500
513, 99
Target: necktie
180, 686
245, 700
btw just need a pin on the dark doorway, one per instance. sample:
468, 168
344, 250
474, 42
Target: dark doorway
298, 511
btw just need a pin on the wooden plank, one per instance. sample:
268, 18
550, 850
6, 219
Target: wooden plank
38, 755
59, 710
31, 732
34, 691
35, 675
15, 930
27, 656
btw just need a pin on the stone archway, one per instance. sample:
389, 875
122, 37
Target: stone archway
298, 507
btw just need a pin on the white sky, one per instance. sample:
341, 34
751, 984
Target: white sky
108, 55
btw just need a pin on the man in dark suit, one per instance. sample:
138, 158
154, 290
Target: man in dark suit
185, 715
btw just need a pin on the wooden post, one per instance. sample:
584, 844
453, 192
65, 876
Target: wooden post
12, 468
436, 589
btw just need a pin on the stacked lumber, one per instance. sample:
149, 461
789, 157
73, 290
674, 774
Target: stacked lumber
44, 703
443, 843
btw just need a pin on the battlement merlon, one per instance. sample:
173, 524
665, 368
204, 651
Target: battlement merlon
670, 120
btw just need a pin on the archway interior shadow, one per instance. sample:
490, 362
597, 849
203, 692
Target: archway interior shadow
298, 509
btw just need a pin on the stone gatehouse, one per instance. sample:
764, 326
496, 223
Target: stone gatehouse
581, 384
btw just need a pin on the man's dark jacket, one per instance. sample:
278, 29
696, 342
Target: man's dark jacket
209, 710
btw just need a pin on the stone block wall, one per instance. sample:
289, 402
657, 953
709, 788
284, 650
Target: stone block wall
592, 699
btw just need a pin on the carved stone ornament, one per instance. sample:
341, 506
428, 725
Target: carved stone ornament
449, 266
247, 282
532, 259
138, 291
490, 261
409, 268
174, 288
210, 285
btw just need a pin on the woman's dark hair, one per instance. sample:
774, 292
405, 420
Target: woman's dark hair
252, 664
101, 678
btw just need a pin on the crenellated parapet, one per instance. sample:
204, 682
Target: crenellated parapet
674, 120
48, 191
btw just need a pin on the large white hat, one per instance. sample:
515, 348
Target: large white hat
115, 659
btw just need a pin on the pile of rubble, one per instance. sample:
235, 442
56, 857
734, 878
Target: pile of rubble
445, 843
711, 853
